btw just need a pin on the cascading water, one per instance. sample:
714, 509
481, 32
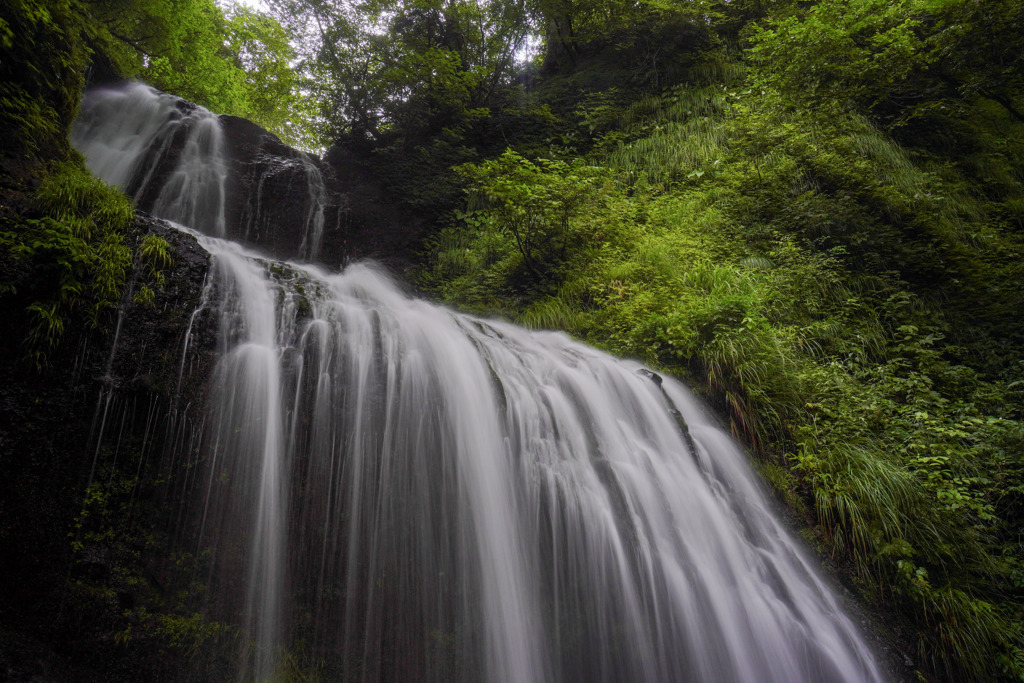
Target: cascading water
127, 134
415, 494
313, 230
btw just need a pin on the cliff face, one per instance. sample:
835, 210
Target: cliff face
374, 225
279, 199
242, 182
222, 176
85, 523
282, 200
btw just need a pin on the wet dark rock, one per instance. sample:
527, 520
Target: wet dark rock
148, 356
651, 375
50, 434
272, 192
374, 225
24, 658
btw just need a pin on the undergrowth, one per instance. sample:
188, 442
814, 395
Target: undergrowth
845, 301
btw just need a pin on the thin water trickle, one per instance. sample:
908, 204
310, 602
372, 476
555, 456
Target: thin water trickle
313, 227
204, 301
97, 431
416, 494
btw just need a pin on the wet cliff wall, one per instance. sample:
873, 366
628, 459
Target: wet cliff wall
85, 533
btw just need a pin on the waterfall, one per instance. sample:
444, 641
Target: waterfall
173, 157
415, 494
129, 134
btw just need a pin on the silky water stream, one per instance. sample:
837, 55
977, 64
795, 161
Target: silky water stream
417, 494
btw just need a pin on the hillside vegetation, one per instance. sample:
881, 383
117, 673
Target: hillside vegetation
815, 214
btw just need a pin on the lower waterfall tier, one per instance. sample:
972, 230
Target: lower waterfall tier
416, 494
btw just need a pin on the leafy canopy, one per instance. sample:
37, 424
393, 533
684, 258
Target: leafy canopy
235, 62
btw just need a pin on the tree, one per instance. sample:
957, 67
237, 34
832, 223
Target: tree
404, 68
897, 60
854, 53
978, 49
232, 64
537, 204
261, 48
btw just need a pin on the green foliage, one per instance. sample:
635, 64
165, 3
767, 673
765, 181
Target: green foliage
842, 51
539, 205
849, 303
823, 233
76, 250
239, 64
152, 257
573, 27
195, 635
911, 56
685, 142
236, 64
943, 75
262, 49
151, 621
42, 60
70, 194
155, 252
392, 67
32, 122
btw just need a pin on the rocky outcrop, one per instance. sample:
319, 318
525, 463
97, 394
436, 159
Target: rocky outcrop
275, 192
228, 177
223, 176
108, 410
282, 200
373, 225
150, 354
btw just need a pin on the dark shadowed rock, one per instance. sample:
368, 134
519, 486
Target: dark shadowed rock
125, 393
279, 198
149, 351
374, 225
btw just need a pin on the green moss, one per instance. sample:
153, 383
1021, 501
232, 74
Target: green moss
42, 72
74, 243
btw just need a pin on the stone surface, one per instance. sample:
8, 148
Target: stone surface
271, 194
374, 225
118, 395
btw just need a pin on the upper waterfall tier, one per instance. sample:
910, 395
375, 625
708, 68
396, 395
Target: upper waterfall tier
222, 176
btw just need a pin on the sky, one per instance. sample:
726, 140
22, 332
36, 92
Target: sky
254, 4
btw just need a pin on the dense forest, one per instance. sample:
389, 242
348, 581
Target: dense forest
810, 210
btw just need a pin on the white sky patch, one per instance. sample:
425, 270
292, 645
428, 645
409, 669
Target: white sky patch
259, 5
529, 49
